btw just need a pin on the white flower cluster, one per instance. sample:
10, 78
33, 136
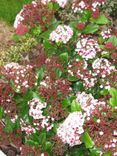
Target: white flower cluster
19, 75
87, 103
36, 111
71, 129
87, 48
62, 3
45, 1
83, 5
11, 65
106, 33
102, 67
28, 129
80, 7
18, 19
63, 33
97, 4
36, 108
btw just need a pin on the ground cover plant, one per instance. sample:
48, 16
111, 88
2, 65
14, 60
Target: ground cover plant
61, 100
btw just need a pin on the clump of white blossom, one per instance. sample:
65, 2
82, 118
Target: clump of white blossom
83, 5
20, 75
102, 67
28, 129
87, 47
106, 33
18, 19
71, 129
45, 1
36, 108
80, 6
36, 111
87, 103
63, 34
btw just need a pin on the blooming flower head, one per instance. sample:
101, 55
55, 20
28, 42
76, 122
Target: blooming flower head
87, 48
102, 67
71, 129
63, 33
106, 33
62, 3
23, 77
36, 107
81, 5
87, 102
18, 19
36, 111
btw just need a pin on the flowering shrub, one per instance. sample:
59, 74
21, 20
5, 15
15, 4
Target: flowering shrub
63, 100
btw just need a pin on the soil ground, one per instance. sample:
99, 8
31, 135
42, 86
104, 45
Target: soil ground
6, 33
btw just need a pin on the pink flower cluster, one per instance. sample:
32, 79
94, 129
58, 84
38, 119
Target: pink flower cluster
63, 33
106, 33
87, 103
36, 111
36, 108
87, 47
22, 76
80, 6
102, 67
28, 129
71, 129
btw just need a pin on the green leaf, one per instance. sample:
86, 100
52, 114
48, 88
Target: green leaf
42, 138
101, 20
40, 74
104, 92
64, 57
95, 152
113, 100
75, 106
91, 28
72, 78
1, 112
9, 126
66, 103
48, 146
78, 86
87, 140
31, 142
113, 39
36, 31
85, 16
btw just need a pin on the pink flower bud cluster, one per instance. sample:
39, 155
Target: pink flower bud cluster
80, 6
21, 76
87, 103
36, 111
80, 70
28, 129
36, 108
71, 129
87, 47
106, 33
102, 67
63, 34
